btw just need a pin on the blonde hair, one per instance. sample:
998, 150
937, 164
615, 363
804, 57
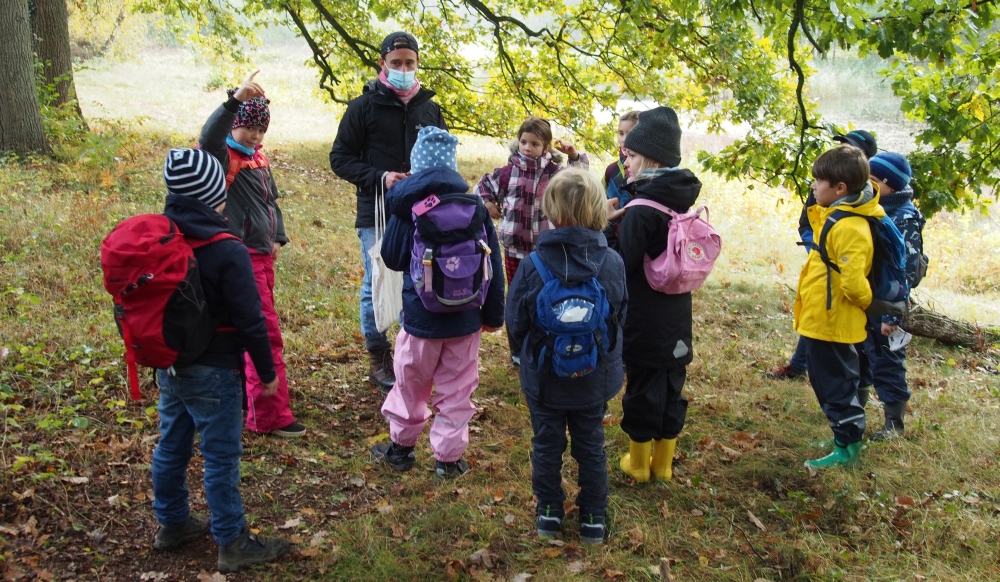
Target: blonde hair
574, 197
636, 169
632, 116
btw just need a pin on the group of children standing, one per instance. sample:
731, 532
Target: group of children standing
558, 226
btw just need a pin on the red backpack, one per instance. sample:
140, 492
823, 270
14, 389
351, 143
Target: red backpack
150, 269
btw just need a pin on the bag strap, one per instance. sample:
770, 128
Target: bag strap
543, 271
651, 204
130, 364
238, 161
198, 243
380, 219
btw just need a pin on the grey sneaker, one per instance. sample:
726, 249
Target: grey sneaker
451, 470
248, 550
170, 538
548, 520
593, 528
291, 431
398, 457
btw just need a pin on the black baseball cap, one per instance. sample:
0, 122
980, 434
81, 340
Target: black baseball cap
860, 139
399, 40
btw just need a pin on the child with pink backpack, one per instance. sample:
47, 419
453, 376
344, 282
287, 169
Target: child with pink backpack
657, 334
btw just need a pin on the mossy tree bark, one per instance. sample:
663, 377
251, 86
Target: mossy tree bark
50, 24
21, 128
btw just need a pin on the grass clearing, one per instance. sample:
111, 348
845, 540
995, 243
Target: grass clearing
75, 488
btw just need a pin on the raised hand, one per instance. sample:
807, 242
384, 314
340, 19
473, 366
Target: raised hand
567, 148
249, 89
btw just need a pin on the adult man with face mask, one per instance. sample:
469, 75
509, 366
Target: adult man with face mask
372, 151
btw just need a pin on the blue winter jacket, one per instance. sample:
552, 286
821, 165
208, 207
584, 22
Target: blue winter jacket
397, 247
574, 255
229, 286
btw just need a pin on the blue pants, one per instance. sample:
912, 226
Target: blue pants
886, 370
799, 363
586, 431
208, 401
375, 341
834, 372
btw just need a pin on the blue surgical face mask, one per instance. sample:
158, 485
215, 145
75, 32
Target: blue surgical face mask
401, 80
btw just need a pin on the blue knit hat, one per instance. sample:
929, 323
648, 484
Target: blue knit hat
892, 168
435, 148
195, 173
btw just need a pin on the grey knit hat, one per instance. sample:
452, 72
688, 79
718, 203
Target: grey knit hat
195, 173
657, 136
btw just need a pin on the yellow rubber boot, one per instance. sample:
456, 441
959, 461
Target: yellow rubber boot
636, 462
663, 458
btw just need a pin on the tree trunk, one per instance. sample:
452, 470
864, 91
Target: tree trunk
21, 128
925, 323
50, 23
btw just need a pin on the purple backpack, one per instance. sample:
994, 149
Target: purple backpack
450, 264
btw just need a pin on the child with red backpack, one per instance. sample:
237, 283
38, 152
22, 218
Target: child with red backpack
233, 135
443, 241
657, 334
206, 395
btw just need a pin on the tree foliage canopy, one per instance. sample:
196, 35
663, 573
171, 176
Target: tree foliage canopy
730, 62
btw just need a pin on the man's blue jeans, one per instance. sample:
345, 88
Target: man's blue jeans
799, 361
208, 401
375, 341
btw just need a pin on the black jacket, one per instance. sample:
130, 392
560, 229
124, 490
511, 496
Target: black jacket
375, 136
230, 290
397, 248
574, 255
252, 200
658, 332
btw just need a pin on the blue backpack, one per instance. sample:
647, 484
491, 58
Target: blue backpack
574, 323
888, 275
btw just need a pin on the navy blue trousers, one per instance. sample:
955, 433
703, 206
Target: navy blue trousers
586, 431
835, 374
886, 370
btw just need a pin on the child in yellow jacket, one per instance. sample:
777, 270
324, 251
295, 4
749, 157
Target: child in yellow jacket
830, 306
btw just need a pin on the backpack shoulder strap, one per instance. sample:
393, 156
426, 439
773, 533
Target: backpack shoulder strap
198, 243
543, 271
651, 204
238, 161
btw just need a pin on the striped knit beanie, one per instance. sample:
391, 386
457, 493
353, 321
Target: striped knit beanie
892, 168
195, 173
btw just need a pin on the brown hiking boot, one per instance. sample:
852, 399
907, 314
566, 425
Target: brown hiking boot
380, 372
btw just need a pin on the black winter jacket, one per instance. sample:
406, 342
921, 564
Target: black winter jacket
658, 332
230, 290
375, 136
397, 248
252, 200
574, 255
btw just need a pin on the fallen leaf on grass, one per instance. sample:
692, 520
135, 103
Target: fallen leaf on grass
522, 577
498, 496
905, 500
295, 539
575, 567
291, 524
481, 558
613, 575
731, 454
397, 530
703, 561
204, 576
357, 482
76, 480
509, 519
757, 522
309, 552
452, 568
384, 509
697, 512
551, 552
154, 576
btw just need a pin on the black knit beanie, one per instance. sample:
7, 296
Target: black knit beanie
657, 136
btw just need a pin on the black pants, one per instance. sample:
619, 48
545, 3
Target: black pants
586, 429
886, 369
834, 372
653, 406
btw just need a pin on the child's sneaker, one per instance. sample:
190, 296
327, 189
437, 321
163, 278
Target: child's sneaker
169, 538
786, 372
549, 520
452, 469
593, 528
248, 550
398, 457
291, 431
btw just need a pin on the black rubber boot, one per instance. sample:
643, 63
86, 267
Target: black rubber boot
893, 422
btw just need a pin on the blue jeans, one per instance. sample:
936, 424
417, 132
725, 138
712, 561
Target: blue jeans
799, 363
586, 429
375, 341
206, 400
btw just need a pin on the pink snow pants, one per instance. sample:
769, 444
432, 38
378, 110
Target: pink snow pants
451, 366
267, 413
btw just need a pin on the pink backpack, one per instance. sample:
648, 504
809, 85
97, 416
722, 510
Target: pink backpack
692, 247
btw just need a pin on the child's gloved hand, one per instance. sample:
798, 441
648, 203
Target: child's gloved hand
488, 329
567, 148
249, 89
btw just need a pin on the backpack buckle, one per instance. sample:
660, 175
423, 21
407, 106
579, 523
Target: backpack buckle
428, 258
486, 247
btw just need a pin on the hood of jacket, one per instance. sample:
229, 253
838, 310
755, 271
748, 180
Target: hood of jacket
407, 192
677, 189
865, 203
896, 200
553, 156
573, 254
195, 218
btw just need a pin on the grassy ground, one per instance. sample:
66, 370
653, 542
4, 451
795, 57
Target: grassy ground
75, 488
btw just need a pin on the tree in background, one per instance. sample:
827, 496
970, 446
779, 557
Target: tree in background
21, 128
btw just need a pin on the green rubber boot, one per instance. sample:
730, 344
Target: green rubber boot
842, 456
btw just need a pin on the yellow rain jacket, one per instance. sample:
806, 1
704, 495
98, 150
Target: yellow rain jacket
849, 245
